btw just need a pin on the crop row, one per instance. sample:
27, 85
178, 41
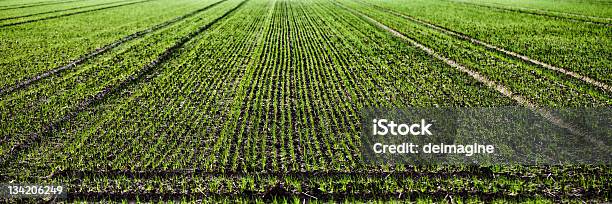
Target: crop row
321, 118
29, 111
135, 100
580, 185
545, 87
10, 23
37, 13
595, 9
548, 13
19, 4
576, 46
30, 49
263, 98
93, 54
231, 117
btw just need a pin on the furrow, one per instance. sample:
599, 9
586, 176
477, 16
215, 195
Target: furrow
61, 10
35, 137
562, 13
337, 118
279, 194
319, 109
136, 35
545, 14
11, 7
411, 173
485, 80
576, 75
245, 127
71, 14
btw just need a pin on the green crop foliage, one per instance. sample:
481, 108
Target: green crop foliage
261, 100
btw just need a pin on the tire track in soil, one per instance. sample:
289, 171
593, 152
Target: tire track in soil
544, 14
551, 117
274, 189
71, 14
228, 72
209, 94
109, 90
557, 12
15, 87
60, 10
279, 190
480, 172
19, 6
448, 31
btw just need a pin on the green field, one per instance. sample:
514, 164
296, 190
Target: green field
242, 100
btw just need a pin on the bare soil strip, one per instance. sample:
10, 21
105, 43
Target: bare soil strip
542, 13
485, 80
279, 191
586, 79
71, 14
482, 172
61, 10
141, 74
139, 34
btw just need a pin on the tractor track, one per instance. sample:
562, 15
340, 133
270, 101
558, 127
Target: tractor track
544, 14
442, 29
480, 172
312, 193
71, 14
19, 6
20, 85
109, 90
558, 12
61, 10
523, 101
